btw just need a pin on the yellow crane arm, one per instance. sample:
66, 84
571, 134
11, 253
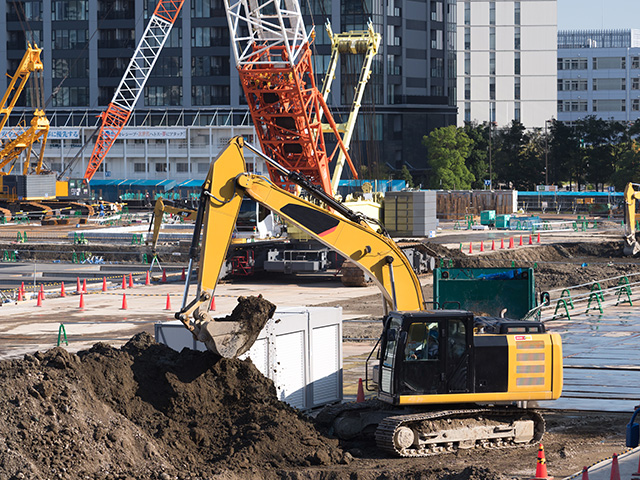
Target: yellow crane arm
227, 182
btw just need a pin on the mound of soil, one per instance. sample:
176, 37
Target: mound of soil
147, 412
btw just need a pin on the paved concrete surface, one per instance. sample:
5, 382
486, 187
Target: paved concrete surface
627, 465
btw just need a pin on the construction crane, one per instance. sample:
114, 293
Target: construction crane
365, 42
272, 50
132, 84
31, 64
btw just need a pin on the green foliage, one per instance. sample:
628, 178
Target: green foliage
448, 149
405, 174
375, 171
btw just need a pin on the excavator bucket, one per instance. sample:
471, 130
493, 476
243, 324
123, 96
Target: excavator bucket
234, 334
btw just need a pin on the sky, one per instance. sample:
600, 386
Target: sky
598, 14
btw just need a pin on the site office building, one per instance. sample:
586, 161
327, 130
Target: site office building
192, 103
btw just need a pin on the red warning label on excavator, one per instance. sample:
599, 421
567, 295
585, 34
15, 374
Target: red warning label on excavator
519, 338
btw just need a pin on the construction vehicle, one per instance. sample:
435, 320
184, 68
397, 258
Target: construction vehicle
185, 214
446, 379
631, 196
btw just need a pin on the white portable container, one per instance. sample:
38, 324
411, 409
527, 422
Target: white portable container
300, 349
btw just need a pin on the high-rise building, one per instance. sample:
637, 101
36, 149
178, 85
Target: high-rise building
193, 102
507, 61
599, 74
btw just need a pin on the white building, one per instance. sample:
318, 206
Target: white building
599, 74
506, 61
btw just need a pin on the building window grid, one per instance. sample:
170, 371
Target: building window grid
516, 13
467, 13
492, 13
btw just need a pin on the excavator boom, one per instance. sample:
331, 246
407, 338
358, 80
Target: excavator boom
227, 182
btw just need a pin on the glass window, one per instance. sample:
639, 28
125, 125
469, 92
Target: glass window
516, 111
70, 10
492, 13
516, 13
467, 112
71, 97
467, 88
516, 88
163, 95
182, 167
492, 38
467, 13
492, 63
139, 168
492, 89
516, 38
467, 39
516, 63
422, 342
467, 63
69, 39
457, 341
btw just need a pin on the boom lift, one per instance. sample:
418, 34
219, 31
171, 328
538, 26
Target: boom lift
429, 360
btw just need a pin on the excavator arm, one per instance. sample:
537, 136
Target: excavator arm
631, 245
340, 229
158, 212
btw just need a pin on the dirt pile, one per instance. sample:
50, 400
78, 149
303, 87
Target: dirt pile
147, 412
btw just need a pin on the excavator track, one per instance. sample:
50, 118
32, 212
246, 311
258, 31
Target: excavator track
434, 433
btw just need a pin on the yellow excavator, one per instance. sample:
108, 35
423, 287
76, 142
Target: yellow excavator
446, 379
158, 212
631, 196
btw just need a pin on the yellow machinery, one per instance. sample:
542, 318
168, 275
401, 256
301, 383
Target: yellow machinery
158, 212
39, 129
631, 196
428, 360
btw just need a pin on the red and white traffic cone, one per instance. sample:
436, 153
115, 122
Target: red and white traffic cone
541, 466
510, 242
42, 291
183, 277
84, 286
164, 276
538, 237
530, 240
493, 245
212, 305
615, 468
104, 284
470, 247
124, 282
130, 281
81, 304
168, 307
147, 281
520, 243
78, 285
502, 243
62, 292
39, 302
124, 302
482, 245
585, 473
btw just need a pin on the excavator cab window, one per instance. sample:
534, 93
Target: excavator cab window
422, 342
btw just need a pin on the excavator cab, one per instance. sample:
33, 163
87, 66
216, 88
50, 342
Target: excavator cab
451, 356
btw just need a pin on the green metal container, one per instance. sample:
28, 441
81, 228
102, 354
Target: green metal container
485, 291
488, 217
502, 221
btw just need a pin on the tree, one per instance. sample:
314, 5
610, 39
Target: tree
478, 160
447, 150
404, 174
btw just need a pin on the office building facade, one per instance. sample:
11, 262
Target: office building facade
599, 74
507, 61
193, 103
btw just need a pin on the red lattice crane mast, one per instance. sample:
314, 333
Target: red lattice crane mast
273, 56
132, 84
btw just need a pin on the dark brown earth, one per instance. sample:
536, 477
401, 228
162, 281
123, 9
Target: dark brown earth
146, 412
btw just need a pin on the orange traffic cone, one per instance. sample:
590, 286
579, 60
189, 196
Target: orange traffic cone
502, 243
493, 245
130, 281
520, 243
470, 247
39, 303
530, 240
146, 280
360, 396
585, 473
541, 466
615, 468
81, 304
212, 305
510, 242
62, 292
124, 282
104, 284
22, 288
84, 286
538, 237
20, 295
168, 307
42, 291
482, 245
78, 285
164, 276
183, 277
124, 301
